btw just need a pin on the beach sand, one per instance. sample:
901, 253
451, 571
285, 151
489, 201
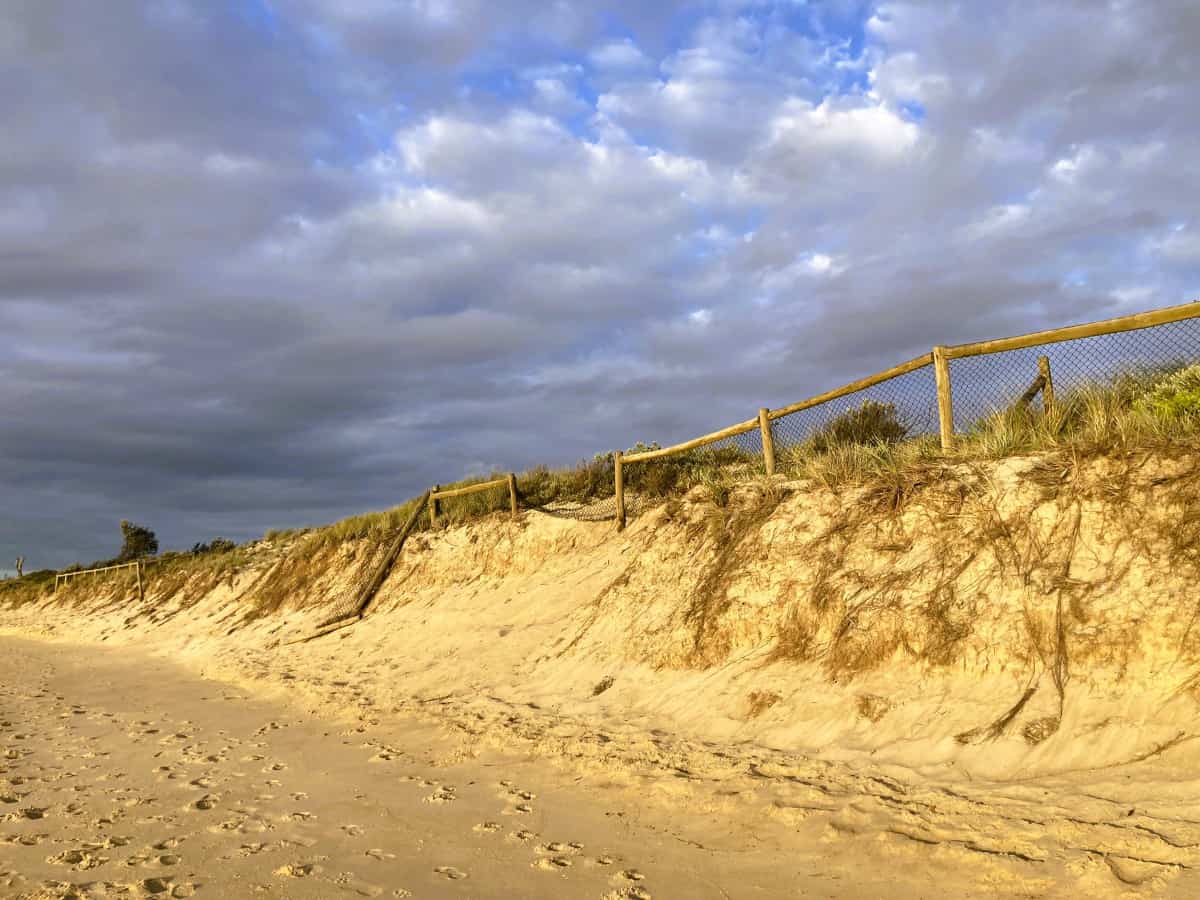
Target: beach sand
126, 775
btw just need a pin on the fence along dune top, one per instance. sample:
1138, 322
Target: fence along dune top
137, 564
928, 393
939, 358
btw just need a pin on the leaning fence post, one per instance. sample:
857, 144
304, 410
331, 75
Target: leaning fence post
1047, 384
512, 494
619, 483
768, 442
141, 592
433, 506
941, 372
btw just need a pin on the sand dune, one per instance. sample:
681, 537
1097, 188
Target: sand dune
982, 691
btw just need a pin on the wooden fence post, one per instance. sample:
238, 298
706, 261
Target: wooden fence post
512, 494
1047, 384
619, 482
141, 590
941, 371
433, 506
768, 442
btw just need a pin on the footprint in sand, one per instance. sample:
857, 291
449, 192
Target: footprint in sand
552, 864
635, 892
450, 872
300, 870
78, 860
444, 794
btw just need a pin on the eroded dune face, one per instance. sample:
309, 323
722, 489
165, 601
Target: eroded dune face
1029, 616
943, 656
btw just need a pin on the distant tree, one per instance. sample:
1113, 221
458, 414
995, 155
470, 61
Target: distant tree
137, 541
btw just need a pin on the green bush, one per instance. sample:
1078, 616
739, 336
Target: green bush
218, 545
871, 423
1175, 397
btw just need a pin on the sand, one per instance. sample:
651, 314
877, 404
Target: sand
125, 775
990, 690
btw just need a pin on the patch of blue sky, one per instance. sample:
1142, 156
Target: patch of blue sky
913, 111
258, 14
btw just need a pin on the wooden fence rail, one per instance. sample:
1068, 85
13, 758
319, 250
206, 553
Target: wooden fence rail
65, 577
436, 494
939, 357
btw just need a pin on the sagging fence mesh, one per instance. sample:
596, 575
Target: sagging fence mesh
648, 482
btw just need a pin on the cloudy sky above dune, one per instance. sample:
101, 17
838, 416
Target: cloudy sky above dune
272, 262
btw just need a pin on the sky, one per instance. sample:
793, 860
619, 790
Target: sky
273, 262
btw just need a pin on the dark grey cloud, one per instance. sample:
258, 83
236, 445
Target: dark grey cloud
272, 263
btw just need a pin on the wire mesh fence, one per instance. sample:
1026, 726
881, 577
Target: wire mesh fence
906, 402
649, 481
989, 383
909, 400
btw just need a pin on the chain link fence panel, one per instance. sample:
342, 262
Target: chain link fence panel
983, 385
910, 400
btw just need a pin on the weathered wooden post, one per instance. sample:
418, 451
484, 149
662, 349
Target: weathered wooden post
941, 372
141, 591
433, 506
768, 442
1047, 384
619, 481
512, 494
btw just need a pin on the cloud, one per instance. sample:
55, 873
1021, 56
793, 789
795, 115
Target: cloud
618, 56
281, 263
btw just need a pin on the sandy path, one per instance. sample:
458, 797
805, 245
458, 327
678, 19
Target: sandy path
123, 775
